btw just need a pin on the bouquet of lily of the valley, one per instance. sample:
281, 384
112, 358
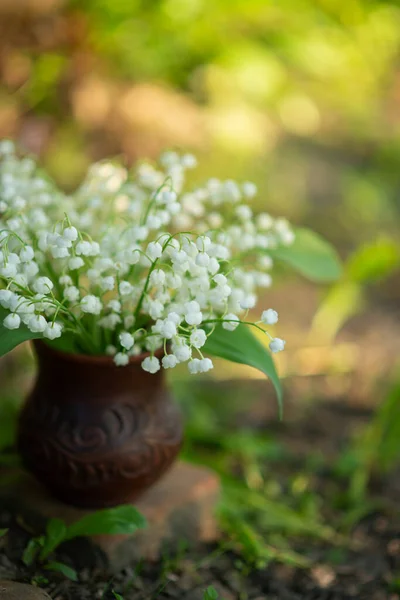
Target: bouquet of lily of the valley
135, 262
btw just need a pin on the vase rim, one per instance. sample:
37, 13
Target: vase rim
100, 359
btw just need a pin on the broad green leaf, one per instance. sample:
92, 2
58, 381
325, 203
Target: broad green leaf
66, 343
119, 520
10, 338
374, 261
62, 568
241, 346
31, 551
311, 255
117, 596
55, 534
3, 532
343, 300
211, 593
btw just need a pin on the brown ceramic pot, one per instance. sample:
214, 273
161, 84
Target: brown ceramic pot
94, 434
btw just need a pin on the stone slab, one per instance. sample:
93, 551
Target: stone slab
179, 508
10, 590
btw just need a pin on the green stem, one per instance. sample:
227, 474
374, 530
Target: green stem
146, 285
153, 199
239, 323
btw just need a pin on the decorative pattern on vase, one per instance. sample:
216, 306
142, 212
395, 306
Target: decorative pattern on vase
124, 441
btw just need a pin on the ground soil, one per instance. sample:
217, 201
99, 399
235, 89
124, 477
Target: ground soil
363, 574
368, 568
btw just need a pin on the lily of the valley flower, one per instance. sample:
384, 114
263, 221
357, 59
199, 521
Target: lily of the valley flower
134, 263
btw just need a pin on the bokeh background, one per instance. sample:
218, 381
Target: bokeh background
301, 96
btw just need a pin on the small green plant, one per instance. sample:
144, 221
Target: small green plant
122, 519
211, 594
117, 596
375, 450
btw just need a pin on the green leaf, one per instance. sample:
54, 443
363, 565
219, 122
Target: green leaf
241, 346
122, 519
311, 256
39, 580
10, 338
66, 343
56, 531
117, 596
62, 568
254, 548
211, 593
31, 551
374, 261
3, 532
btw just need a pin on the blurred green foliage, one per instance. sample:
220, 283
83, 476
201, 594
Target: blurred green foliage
368, 265
274, 500
375, 450
300, 95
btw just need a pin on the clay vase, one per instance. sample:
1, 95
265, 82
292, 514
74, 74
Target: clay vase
94, 434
